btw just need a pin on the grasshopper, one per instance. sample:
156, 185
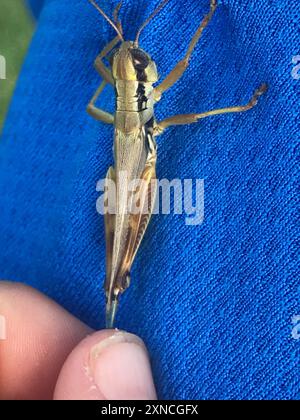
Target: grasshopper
133, 73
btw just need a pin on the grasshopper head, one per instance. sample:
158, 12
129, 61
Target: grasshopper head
129, 62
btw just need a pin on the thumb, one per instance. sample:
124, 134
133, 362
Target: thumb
108, 365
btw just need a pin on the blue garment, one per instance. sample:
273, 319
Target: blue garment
214, 303
35, 6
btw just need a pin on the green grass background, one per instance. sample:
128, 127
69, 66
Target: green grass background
16, 27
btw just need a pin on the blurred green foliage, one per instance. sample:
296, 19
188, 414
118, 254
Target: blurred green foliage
16, 27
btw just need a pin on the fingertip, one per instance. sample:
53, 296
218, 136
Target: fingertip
108, 365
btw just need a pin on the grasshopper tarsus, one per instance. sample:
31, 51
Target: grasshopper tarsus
254, 100
262, 89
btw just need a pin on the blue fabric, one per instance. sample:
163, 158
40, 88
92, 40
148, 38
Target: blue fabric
35, 6
213, 302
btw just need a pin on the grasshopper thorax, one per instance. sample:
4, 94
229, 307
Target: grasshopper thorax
129, 62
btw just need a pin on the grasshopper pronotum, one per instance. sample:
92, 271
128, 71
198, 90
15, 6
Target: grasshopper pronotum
133, 74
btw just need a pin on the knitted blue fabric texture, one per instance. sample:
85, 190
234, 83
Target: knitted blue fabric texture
214, 303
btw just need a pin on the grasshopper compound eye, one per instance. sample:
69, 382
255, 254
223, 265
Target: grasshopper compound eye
140, 59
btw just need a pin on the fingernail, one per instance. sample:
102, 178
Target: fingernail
120, 368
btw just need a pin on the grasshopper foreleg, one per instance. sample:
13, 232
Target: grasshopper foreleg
101, 68
180, 67
193, 118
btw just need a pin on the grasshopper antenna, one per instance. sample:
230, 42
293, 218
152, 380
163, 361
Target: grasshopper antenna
93, 2
156, 11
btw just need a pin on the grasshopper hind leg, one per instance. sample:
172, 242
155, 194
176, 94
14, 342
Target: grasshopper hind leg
118, 278
112, 300
111, 310
109, 218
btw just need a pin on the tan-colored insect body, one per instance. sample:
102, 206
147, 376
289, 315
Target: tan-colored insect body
133, 74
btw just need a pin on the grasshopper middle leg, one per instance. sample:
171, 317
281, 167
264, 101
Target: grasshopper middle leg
96, 112
193, 118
